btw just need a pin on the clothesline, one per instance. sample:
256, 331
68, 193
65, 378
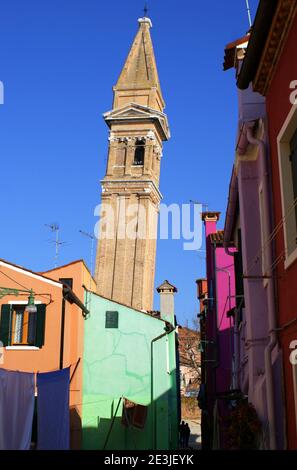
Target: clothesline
38, 372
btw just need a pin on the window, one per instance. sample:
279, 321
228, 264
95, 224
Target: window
287, 154
111, 319
139, 152
293, 160
68, 281
21, 328
134, 414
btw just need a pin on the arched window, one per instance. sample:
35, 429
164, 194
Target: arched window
139, 152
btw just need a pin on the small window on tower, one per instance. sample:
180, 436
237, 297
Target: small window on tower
139, 152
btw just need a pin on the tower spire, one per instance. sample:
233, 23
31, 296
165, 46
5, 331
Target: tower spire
139, 80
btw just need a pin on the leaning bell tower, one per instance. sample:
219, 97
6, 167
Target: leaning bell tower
126, 253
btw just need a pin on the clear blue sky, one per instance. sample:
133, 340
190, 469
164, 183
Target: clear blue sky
58, 62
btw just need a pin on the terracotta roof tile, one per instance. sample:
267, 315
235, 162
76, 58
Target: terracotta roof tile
230, 51
217, 237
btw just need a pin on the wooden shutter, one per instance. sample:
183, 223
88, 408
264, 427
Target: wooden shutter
239, 285
32, 325
40, 325
5, 324
139, 416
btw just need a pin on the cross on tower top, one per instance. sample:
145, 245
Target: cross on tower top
145, 10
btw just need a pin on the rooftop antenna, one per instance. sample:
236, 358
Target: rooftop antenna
202, 204
55, 228
249, 12
92, 238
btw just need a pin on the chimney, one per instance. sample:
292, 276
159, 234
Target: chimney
167, 291
210, 220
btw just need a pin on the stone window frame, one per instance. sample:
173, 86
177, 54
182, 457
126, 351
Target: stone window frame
286, 184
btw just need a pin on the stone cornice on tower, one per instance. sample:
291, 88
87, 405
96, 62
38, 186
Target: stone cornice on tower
135, 112
143, 188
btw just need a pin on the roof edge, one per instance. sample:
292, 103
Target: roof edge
258, 38
123, 305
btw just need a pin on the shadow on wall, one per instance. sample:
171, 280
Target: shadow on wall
157, 433
94, 436
117, 437
75, 429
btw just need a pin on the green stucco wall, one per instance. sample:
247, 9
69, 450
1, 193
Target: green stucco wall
117, 363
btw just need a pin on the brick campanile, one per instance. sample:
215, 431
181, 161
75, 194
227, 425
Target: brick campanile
126, 253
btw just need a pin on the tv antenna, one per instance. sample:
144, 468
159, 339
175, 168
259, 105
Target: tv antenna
55, 228
249, 12
199, 203
92, 238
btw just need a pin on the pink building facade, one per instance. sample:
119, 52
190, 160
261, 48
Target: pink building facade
217, 341
249, 221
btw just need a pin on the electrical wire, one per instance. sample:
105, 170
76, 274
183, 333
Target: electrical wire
25, 287
271, 236
222, 317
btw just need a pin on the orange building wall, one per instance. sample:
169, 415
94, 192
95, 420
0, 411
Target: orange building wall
74, 335
47, 358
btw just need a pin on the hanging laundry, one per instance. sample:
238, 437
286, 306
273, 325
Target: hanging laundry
53, 418
16, 409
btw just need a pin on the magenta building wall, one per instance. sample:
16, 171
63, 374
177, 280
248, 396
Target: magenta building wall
219, 345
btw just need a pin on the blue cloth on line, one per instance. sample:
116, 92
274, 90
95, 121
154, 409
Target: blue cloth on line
17, 390
53, 417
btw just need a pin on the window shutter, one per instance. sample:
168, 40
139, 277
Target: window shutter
239, 285
239, 280
32, 324
5, 324
111, 319
40, 326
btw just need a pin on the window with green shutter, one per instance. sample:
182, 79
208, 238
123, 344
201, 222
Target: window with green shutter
21, 328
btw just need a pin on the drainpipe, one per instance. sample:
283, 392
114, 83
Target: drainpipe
270, 289
62, 332
236, 353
